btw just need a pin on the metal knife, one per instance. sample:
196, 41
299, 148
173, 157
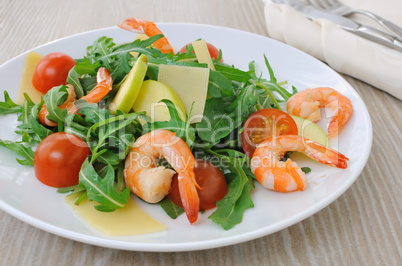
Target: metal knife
367, 32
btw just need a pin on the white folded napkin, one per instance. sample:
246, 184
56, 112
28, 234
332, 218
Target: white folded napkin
345, 52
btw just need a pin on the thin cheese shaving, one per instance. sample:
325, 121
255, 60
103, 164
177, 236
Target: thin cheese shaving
190, 84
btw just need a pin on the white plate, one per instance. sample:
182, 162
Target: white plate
24, 197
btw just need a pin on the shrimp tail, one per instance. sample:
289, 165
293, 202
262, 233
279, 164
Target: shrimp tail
42, 116
103, 87
149, 28
340, 117
134, 25
325, 155
189, 195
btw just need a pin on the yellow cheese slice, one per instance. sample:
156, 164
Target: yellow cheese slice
26, 86
190, 84
202, 53
129, 220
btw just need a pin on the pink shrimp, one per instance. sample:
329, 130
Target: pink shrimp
151, 182
306, 104
148, 28
287, 176
103, 87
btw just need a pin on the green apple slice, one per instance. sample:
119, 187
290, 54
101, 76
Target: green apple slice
148, 100
310, 130
128, 92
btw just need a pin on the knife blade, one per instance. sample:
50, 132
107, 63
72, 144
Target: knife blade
347, 24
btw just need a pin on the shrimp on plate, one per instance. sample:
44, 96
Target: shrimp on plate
148, 28
306, 104
151, 182
103, 87
287, 176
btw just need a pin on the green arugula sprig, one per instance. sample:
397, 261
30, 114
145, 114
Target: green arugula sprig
109, 138
22, 148
8, 106
26, 152
102, 190
230, 208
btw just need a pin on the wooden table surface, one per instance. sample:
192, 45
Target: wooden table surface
362, 227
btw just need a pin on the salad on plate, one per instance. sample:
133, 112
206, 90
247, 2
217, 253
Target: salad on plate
185, 130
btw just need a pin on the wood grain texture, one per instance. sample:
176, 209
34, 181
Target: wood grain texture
362, 227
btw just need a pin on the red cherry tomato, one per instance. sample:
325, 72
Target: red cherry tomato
210, 178
52, 70
264, 124
58, 159
213, 51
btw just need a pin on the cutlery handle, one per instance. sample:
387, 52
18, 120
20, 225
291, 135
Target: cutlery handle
378, 36
383, 22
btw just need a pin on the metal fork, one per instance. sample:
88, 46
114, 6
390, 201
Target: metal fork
336, 7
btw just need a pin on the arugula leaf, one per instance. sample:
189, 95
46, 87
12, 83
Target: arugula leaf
261, 85
118, 148
217, 123
218, 85
271, 84
100, 48
244, 102
233, 73
92, 113
26, 108
88, 83
138, 46
170, 208
53, 98
25, 128
85, 66
230, 208
73, 78
102, 190
182, 129
20, 149
8, 106
120, 182
30, 124
38, 129
271, 72
306, 170
109, 129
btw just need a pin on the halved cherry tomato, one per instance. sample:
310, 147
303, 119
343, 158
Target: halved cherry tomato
213, 51
263, 124
58, 159
52, 70
210, 178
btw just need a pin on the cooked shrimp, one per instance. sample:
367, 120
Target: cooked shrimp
151, 182
103, 87
287, 176
148, 28
306, 104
